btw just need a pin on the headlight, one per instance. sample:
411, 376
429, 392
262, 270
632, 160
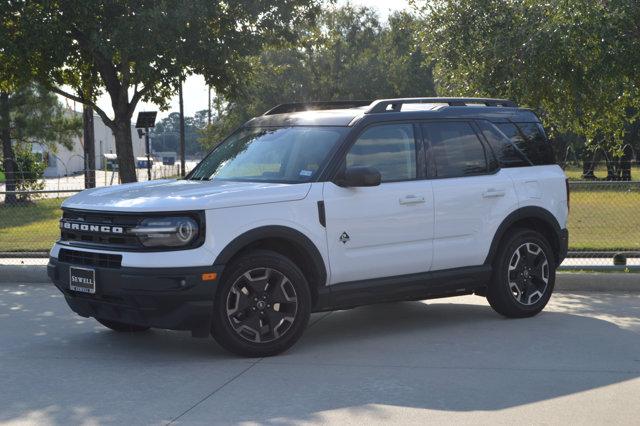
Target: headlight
166, 231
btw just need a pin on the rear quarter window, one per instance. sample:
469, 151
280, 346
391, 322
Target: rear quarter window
531, 140
505, 150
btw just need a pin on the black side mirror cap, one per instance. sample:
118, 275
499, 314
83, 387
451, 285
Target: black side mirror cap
359, 176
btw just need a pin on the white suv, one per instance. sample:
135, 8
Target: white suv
323, 206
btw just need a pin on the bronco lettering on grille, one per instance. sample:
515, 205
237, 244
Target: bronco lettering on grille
88, 227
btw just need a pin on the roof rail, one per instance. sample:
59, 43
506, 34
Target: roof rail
315, 105
382, 105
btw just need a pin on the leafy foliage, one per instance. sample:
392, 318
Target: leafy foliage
575, 61
38, 117
30, 114
144, 46
347, 54
30, 172
166, 137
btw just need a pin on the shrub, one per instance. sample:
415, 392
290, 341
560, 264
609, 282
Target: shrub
29, 172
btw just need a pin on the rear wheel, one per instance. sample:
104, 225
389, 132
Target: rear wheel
524, 274
262, 306
121, 326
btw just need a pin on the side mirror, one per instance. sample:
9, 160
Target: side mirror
359, 176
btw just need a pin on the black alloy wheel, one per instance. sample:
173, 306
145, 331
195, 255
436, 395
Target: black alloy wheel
262, 304
528, 273
524, 273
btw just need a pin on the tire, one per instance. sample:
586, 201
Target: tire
524, 274
262, 306
122, 327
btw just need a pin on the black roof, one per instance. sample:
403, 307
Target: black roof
348, 113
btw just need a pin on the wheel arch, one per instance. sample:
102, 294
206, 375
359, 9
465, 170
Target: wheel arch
531, 217
286, 241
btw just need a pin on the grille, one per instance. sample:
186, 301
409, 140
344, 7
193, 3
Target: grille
92, 238
85, 258
109, 230
80, 237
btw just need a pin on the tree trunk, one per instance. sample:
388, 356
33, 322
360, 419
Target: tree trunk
124, 149
89, 148
8, 162
589, 163
625, 163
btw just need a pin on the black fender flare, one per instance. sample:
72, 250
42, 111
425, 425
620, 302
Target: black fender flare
295, 237
523, 213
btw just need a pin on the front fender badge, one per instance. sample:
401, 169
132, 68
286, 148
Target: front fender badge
344, 238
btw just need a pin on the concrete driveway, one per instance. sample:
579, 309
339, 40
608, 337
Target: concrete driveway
447, 360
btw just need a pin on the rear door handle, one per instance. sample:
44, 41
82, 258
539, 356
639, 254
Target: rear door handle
411, 199
492, 193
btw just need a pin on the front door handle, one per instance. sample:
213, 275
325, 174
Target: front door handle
492, 193
411, 199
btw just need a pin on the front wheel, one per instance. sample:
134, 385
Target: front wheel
262, 306
524, 274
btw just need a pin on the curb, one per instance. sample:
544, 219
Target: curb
611, 282
565, 282
27, 274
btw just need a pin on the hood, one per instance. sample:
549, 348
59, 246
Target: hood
182, 195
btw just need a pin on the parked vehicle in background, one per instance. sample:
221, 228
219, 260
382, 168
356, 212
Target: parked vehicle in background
323, 206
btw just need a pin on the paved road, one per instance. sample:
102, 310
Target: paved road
448, 360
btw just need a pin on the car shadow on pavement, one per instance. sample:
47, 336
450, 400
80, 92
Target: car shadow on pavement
444, 355
55, 330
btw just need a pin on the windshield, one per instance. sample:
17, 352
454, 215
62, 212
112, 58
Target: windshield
270, 154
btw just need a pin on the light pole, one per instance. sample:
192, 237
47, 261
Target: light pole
182, 149
209, 110
146, 119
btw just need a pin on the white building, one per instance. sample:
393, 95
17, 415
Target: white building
66, 162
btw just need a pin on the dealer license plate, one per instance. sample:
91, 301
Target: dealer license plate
82, 279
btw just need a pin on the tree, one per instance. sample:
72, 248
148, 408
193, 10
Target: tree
29, 115
10, 75
140, 50
36, 116
347, 54
166, 135
575, 61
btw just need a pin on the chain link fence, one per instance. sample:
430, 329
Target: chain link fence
604, 225
30, 208
604, 222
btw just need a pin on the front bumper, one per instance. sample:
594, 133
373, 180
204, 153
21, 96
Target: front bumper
170, 298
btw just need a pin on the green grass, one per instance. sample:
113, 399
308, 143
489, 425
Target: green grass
2, 178
30, 226
599, 220
604, 220
575, 173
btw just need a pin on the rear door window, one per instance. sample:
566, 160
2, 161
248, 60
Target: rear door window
455, 148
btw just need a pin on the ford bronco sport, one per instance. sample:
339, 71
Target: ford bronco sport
323, 206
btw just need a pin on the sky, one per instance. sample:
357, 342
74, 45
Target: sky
195, 90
